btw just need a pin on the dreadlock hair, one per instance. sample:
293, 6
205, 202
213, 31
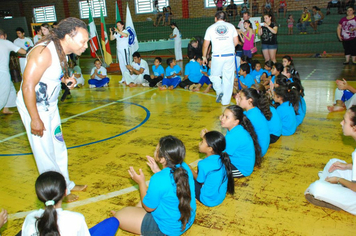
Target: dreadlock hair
217, 142
289, 93
238, 113
50, 189
259, 100
173, 151
68, 26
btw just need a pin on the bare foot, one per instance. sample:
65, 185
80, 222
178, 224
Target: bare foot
79, 188
162, 87
171, 87
335, 108
206, 90
7, 111
197, 89
131, 85
71, 198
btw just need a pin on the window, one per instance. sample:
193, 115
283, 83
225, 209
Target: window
210, 3
146, 6
95, 6
45, 14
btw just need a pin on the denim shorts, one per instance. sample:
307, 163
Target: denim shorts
149, 226
269, 46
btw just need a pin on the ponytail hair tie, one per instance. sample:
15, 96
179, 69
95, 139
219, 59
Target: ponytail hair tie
49, 203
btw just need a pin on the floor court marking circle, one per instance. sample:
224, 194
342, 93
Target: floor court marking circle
148, 114
106, 196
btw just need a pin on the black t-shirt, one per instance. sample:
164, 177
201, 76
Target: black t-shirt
267, 36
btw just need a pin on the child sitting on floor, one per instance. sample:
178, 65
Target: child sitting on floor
214, 176
192, 74
205, 70
98, 76
173, 72
158, 73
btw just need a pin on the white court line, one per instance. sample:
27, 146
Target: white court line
311, 73
83, 113
106, 196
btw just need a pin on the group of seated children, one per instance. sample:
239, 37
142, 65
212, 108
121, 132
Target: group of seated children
195, 76
278, 86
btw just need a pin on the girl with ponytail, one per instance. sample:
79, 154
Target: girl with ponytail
241, 141
258, 112
53, 220
288, 100
168, 205
274, 124
214, 177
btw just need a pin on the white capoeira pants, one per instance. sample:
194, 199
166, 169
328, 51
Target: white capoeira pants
178, 49
50, 150
225, 67
5, 86
348, 103
123, 57
335, 194
136, 79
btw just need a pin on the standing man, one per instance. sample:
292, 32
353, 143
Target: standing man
7, 89
223, 37
37, 99
24, 43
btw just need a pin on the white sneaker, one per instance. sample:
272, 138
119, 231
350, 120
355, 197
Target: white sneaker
106, 85
145, 84
92, 86
122, 81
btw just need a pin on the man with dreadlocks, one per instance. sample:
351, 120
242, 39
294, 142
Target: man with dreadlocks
46, 68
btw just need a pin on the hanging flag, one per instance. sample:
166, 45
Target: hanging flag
133, 41
105, 41
93, 41
118, 17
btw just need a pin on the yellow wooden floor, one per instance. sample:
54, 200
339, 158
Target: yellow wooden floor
109, 129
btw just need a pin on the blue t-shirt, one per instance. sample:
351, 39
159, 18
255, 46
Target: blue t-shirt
301, 111
273, 78
260, 124
248, 80
239, 146
275, 123
192, 70
170, 71
209, 72
257, 75
212, 173
161, 196
158, 71
289, 121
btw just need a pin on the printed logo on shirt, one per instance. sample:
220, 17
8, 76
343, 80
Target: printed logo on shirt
132, 35
221, 30
27, 44
58, 134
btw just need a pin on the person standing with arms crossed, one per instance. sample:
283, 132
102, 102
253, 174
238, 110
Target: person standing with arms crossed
37, 99
223, 37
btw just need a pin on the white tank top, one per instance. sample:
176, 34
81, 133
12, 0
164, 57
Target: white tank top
49, 86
